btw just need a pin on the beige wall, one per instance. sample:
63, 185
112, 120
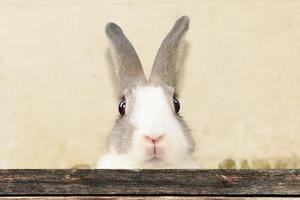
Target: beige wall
240, 87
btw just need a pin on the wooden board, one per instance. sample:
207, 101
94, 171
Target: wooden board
209, 183
146, 198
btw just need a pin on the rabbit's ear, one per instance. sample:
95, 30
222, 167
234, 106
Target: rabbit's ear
166, 62
127, 64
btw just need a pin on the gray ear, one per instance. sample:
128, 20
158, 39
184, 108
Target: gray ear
166, 62
127, 64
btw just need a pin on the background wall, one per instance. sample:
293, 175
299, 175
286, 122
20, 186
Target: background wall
240, 87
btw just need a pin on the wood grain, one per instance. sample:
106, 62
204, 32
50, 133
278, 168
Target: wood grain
145, 198
248, 183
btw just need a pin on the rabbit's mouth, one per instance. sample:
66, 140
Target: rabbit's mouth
155, 153
154, 159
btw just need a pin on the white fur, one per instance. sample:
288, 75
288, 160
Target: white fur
152, 115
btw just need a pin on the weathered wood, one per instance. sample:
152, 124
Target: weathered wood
146, 198
255, 183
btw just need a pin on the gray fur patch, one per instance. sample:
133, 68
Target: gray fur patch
127, 64
165, 67
121, 135
187, 133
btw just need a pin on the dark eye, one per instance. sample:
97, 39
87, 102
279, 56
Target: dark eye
122, 106
176, 104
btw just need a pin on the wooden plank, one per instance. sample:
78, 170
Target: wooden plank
146, 198
260, 183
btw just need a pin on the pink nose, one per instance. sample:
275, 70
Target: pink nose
153, 139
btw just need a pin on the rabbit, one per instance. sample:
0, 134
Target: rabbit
149, 133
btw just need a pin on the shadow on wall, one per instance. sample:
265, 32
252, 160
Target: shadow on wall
283, 163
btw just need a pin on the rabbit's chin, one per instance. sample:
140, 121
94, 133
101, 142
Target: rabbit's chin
117, 161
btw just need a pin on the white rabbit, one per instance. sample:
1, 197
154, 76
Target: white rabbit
149, 133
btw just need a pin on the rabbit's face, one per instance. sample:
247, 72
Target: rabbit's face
157, 131
149, 129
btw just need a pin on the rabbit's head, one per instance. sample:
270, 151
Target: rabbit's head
149, 130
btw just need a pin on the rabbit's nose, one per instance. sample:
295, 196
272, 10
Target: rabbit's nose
154, 139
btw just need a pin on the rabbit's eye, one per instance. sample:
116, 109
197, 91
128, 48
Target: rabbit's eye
122, 107
176, 104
